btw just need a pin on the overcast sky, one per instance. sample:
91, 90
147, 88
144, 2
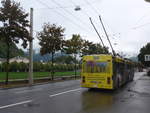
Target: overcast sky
127, 21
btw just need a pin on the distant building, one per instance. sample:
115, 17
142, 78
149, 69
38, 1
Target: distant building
19, 59
2, 60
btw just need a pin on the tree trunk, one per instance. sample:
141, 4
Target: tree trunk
7, 63
75, 67
52, 66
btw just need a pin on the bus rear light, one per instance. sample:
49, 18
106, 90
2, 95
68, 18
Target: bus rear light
108, 80
83, 79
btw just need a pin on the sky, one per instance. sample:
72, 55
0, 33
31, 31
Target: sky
127, 22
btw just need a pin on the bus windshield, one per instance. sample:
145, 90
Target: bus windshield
95, 67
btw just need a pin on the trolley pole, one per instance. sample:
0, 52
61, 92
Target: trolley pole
31, 49
97, 32
107, 36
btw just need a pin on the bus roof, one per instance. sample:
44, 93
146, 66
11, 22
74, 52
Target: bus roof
105, 57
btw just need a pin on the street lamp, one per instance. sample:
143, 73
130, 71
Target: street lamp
77, 8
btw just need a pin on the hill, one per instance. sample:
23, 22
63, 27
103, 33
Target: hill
14, 50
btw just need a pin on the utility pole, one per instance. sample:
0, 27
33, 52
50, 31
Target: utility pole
31, 49
97, 32
107, 36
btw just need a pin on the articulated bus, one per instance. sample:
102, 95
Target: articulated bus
105, 71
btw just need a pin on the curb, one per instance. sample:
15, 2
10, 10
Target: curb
42, 83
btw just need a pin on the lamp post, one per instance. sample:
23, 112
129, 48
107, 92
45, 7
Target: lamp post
31, 49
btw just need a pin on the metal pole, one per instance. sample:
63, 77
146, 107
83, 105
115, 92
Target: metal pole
96, 31
107, 36
31, 49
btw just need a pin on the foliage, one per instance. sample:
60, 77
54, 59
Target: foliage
14, 27
14, 67
65, 60
50, 38
143, 51
14, 23
74, 45
37, 67
92, 48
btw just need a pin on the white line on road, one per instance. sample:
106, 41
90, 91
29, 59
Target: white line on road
19, 103
65, 92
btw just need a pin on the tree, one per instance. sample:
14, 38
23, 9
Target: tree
74, 46
86, 47
143, 51
50, 41
91, 48
100, 49
14, 27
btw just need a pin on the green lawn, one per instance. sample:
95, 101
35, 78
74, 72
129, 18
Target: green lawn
24, 75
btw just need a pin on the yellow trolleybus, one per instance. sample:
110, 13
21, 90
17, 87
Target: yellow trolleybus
105, 71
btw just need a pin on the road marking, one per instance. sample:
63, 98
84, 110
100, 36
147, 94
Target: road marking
65, 92
19, 103
28, 91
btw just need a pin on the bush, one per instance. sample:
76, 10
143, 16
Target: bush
1, 68
38, 67
14, 67
23, 67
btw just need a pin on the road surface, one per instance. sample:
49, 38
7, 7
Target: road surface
68, 97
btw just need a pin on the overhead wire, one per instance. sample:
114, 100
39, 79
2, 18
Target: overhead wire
82, 22
94, 28
107, 36
143, 25
95, 10
96, 31
82, 10
74, 23
51, 8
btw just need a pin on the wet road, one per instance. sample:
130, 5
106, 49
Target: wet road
68, 97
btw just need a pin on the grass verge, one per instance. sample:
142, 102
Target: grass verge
24, 75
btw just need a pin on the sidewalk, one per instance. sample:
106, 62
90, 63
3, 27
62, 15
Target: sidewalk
139, 99
135, 98
142, 86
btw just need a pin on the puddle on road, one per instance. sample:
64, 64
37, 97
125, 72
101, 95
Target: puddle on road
97, 99
144, 94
